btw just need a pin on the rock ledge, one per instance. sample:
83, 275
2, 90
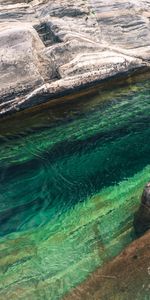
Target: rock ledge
49, 48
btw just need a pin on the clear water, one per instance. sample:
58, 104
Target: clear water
70, 183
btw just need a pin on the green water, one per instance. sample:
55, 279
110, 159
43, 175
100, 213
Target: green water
70, 185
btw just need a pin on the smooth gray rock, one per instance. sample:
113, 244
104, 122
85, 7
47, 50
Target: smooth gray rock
53, 48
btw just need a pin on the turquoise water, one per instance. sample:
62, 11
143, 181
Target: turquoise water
70, 185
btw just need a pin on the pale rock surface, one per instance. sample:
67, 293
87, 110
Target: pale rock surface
54, 48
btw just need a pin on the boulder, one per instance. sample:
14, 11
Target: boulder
142, 217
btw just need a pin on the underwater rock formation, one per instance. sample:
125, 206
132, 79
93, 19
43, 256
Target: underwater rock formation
53, 48
125, 277
142, 217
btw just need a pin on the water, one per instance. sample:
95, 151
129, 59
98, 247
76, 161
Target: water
70, 182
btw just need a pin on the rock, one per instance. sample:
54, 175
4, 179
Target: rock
53, 47
142, 217
23, 66
107, 63
126, 277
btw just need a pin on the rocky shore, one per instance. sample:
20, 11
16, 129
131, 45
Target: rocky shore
49, 49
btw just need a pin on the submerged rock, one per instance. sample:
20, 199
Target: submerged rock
49, 49
142, 217
126, 277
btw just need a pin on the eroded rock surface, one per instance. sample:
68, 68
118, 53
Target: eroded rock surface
49, 48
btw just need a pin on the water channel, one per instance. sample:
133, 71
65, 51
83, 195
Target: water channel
70, 183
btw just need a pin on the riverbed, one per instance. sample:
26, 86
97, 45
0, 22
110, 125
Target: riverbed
70, 184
